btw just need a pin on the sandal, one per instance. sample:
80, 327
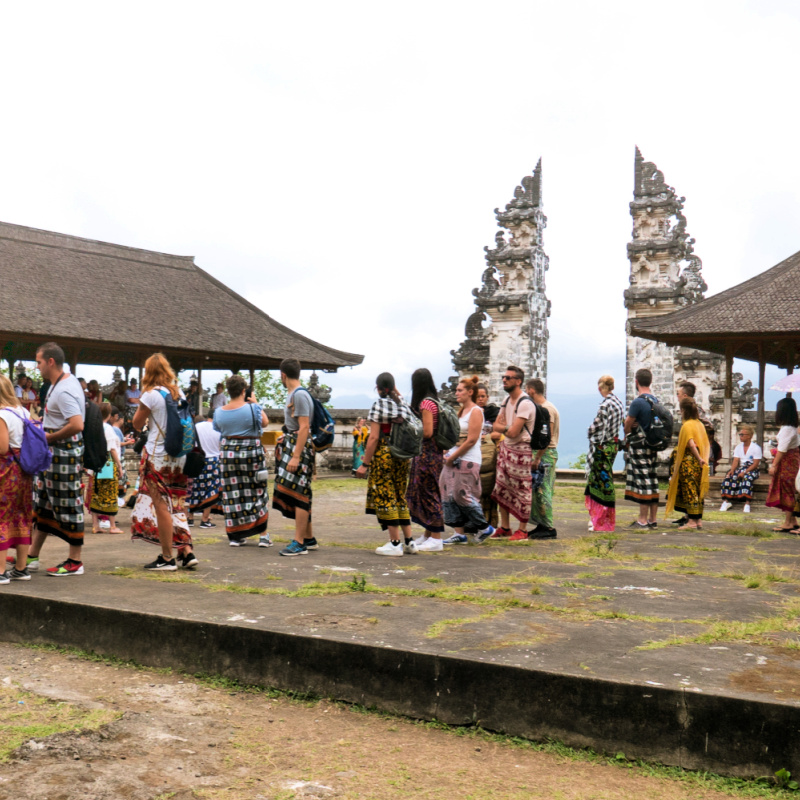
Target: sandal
783, 530
95, 530
116, 530
690, 528
794, 531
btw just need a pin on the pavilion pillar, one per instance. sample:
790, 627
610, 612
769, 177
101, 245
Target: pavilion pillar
252, 376
72, 360
762, 365
727, 423
199, 390
790, 369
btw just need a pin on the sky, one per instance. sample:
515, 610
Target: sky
338, 164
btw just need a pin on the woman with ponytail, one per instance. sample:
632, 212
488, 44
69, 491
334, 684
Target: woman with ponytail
388, 476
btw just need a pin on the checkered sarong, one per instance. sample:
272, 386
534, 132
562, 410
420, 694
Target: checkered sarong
58, 504
293, 489
244, 499
641, 481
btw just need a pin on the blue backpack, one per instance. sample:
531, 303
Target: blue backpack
179, 436
34, 454
321, 424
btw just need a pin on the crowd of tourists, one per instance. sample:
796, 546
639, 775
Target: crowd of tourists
482, 472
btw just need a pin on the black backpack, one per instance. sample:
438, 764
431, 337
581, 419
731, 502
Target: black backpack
658, 434
541, 435
95, 449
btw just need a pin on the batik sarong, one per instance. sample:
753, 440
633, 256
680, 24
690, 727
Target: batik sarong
740, 485
161, 479
460, 488
102, 496
206, 487
58, 504
512, 485
781, 492
641, 481
542, 498
423, 496
387, 485
16, 503
688, 499
600, 494
488, 473
245, 499
293, 489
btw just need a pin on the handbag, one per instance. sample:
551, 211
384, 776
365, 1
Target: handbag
107, 472
195, 461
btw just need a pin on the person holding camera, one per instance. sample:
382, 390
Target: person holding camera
243, 466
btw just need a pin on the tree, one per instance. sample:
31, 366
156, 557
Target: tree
579, 463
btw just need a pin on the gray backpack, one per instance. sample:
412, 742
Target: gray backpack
448, 428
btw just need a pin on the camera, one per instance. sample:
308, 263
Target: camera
141, 440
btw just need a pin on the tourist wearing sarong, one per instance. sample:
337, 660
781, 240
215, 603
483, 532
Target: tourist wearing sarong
205, 493
245, 494
546, 460
688, 484
600, 495
641, 480
159, 514
513, 486
58, 504
423, 497
102, 487
489, 440
460, 481
360, 436
295, 457
387, 482
16, 488
737, 485
784, 469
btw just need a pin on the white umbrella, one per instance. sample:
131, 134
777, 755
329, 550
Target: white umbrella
791, 383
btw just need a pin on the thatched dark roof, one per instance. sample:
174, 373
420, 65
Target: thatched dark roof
764, 311
118, 304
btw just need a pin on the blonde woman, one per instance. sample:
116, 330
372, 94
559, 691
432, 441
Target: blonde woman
16, 488
738, 482
159, 516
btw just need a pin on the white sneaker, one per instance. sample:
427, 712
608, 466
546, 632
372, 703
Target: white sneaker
747, 508
431, 546
410, 549
237, 542
104, 525
725, 505
390, 549
420, 539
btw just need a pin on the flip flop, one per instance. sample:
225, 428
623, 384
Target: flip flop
689, 528
794, 531
783, 530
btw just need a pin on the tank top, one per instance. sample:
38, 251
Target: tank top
474, 453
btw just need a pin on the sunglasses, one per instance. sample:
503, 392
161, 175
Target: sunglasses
510, 378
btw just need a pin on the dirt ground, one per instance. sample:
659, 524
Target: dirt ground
76, 728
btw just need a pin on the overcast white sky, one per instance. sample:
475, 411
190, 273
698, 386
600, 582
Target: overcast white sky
338, 163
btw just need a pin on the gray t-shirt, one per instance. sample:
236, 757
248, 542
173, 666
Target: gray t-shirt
298, 404
65, 399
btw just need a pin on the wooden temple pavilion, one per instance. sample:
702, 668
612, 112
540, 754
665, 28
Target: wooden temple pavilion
114, 305
758, 320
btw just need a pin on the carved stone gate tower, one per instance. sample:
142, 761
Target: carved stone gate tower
512, 296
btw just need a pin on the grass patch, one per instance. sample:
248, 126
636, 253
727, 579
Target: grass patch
745, 530
444, 625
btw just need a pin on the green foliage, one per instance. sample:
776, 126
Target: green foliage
784, 780
579, 463
358, 583
269, 390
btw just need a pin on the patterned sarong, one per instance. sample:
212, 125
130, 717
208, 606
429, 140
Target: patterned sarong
740, 485
641, 481
542, 498
600, 494
206, 487
245, 500
688, 499
16, 503
512, 485
386, 488
58, 508
161, 477
460, 488
781, 488
102, 496
293, 489
423, 495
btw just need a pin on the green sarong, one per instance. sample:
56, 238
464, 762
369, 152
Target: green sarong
542, 500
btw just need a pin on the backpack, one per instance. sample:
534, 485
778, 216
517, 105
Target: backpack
34, 453
321, 425
405, 440
658, 434
95, 449
179, 436
448, 428
541, 435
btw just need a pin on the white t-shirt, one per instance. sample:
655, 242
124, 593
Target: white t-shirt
788, 439
16, 427
474, 453
208, 438
18, 391
153, 400
218, 400
753, 454
65, 399
112, 440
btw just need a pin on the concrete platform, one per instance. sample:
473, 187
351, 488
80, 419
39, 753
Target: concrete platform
676, 647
